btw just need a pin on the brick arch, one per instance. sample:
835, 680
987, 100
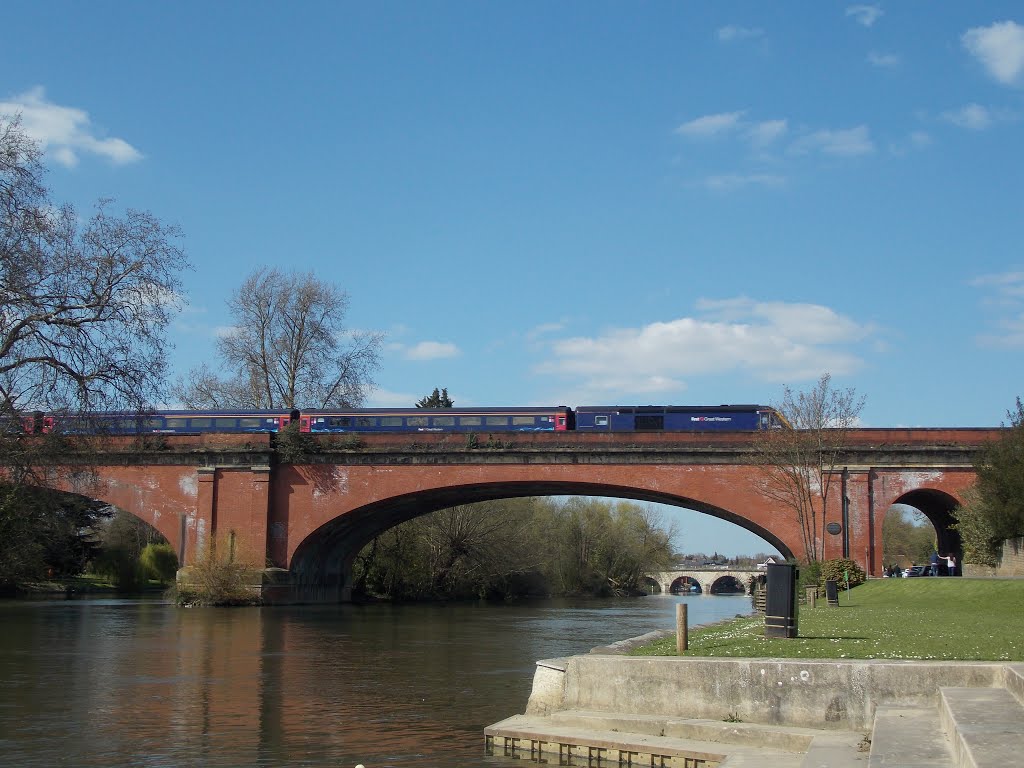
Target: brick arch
191, 487
323, 558
139, 491
938, 507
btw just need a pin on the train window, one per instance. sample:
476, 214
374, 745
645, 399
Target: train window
251, 423
175, 423
470, 421
442, 421
391, 421
600, 421
339, 421
647, 421
497, 421
200, 422
520, 421
416, 421
366, 421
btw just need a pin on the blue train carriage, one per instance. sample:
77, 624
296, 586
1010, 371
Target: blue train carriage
677, 418
541, 419
171, 422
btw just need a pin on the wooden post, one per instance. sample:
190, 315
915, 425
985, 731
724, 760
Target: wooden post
682, 634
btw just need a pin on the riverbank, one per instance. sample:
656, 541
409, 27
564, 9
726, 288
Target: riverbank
924, 618
78, 585
901, 671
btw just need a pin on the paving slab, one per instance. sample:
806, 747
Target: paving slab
909, 737
986, 726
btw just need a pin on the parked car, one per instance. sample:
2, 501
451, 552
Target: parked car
916, 570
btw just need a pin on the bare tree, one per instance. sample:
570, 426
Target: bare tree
85, 305
84, 312
288, 348
799, 464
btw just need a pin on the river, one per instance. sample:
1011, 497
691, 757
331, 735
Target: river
110, 682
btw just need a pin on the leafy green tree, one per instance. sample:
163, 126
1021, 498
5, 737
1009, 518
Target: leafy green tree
906, 538
1001, 480
160, 562
974, 522
436, 399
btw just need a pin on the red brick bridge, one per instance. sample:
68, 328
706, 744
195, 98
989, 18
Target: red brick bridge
310, 520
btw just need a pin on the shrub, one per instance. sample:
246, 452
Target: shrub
160, 562
220, 576
837, 570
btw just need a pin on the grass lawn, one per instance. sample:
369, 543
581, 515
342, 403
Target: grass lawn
922, 618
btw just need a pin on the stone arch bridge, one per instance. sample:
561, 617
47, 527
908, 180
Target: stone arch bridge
709, 580
309, 520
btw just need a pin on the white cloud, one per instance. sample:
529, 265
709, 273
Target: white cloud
1003, 283
848, 142
920, 139
710, 125
383, 398
972, 116
1005, 298
730, 181
428, 350
772, 341
732, 33
764, 133
1000, 48
865, 15
883, 60
65, 132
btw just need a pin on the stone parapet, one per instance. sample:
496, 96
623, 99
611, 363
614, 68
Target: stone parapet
824, 694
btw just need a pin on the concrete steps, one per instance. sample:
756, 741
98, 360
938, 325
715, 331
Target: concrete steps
977, 722
602, 739
909, 737
986, 726
970, 728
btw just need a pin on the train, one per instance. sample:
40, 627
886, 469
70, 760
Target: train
589, 418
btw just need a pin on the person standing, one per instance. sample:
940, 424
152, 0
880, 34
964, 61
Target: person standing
950, 565
934, 562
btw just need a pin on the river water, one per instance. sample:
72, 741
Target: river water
105, 682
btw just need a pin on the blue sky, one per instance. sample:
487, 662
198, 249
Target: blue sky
580, 202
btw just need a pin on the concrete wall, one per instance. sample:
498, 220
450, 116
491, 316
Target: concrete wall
814, 694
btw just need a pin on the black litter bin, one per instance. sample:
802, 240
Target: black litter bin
780, 600
832, 591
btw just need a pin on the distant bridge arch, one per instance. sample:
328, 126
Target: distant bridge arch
709, 580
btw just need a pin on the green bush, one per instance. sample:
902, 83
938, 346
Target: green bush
837, 570
160, 562
810, 576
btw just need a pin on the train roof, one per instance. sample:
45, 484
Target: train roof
736, 408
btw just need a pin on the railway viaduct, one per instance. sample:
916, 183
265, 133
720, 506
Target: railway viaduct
310, 519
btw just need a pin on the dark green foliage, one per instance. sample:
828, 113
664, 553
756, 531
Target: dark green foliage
160, 562
436, 399
293, 446
1001, 480
980, 543
121, 567
810, 576
46, 534
837, 570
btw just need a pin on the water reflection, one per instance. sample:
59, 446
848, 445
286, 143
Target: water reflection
114, 682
